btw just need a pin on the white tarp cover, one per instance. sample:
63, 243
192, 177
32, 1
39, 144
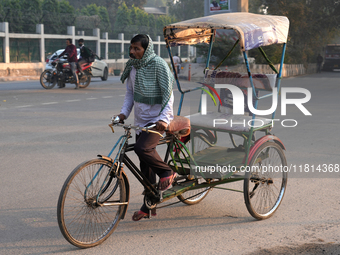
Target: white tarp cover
254, 30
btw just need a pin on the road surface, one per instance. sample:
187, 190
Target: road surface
44, 134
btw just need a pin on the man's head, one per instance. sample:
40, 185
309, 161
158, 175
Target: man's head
81, 42
68, 42
139, 44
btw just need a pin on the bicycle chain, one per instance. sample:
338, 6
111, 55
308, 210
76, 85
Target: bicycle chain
183, 200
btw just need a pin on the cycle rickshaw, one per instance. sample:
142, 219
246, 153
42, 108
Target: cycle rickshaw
95, 196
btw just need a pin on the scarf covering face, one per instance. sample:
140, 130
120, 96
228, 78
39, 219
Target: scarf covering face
154, 80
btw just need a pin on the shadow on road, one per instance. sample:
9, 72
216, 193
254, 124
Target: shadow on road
304, 249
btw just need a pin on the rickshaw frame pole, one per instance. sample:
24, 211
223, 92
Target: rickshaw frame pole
279, 76
210, 48
176, 78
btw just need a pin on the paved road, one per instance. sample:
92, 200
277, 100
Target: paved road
44, 134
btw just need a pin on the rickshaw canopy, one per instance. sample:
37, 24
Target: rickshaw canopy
253, 30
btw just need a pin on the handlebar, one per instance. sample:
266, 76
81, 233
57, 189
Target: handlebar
115, 122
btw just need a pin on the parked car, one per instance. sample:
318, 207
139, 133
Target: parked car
99, 67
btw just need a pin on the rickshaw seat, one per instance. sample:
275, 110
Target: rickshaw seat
224, 119
179, 125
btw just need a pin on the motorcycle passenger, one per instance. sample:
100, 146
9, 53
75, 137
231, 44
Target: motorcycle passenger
72, 59
85, 55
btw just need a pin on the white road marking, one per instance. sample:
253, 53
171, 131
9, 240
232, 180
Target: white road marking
69, 101
122, 95
50, 103
23, 106
73, 100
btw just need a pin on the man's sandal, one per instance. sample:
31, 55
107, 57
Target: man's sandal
165, 182
140, 215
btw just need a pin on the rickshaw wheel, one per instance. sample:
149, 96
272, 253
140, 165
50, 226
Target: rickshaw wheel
199, 140
192, 197
265, 181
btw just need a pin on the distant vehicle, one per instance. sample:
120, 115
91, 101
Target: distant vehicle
99, 67
332, 58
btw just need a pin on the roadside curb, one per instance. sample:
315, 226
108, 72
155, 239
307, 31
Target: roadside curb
19, 78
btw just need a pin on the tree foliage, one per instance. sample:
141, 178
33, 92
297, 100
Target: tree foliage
133, 20
156, 3
139, 3
221, 47
13, 15
93, 16
113, 16
313, 24
186, 9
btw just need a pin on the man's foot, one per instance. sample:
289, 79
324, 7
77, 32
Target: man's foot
165, 182
77, 86
140, 215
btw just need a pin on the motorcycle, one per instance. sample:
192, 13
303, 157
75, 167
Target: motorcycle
62, 73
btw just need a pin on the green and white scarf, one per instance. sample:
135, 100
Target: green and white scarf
154, 80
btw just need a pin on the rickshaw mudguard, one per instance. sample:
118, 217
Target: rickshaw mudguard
261, 141
126, 184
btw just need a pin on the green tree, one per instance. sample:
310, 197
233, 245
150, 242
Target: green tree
92, 9
152, 26
312, 25
93, 16
123, 19
155, 3
139, 21
67, 15
13, 15
221, 47
105, 20
51, 17
2, 11
139, 3
186, 9
31, 15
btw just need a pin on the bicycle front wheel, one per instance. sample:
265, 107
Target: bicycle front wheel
91, 204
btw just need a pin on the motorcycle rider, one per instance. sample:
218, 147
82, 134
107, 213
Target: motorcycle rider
85, 55
72, 59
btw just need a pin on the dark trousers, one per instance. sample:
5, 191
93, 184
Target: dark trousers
150, 161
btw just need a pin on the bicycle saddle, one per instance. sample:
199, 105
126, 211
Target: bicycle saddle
180, 126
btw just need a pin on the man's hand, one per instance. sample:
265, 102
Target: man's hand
161, 125
121, 117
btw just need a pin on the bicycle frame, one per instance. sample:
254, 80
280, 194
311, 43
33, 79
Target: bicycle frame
175, 147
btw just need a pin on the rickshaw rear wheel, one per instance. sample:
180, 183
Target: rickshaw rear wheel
265, 181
